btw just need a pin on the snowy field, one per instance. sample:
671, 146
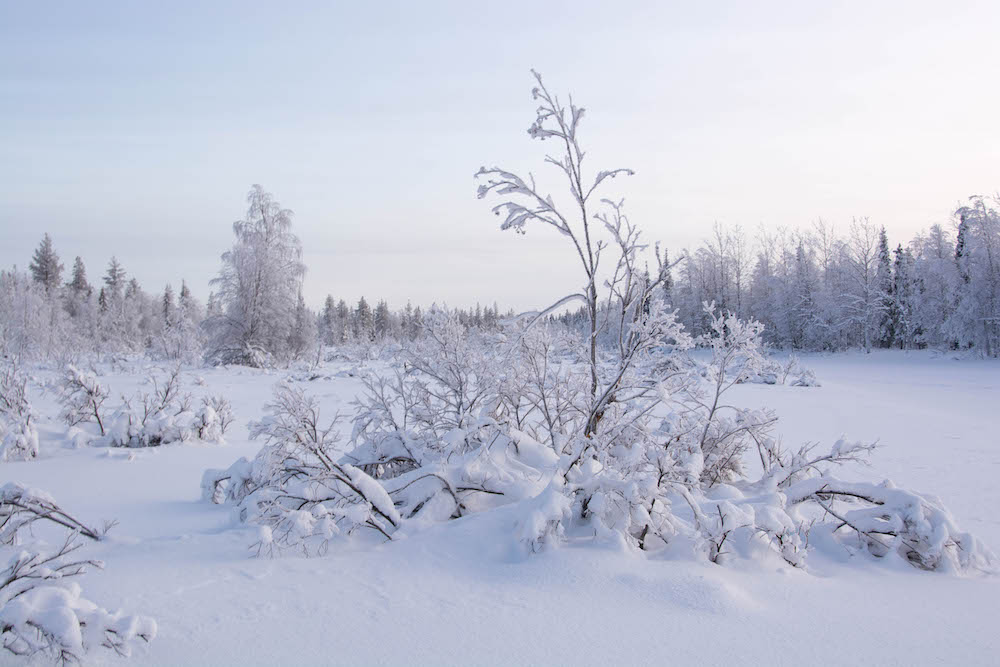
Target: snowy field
457, 593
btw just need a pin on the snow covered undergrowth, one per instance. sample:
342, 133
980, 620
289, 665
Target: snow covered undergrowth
464, 592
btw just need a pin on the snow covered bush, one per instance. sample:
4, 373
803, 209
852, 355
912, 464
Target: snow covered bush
213, 418
18, 435
541, 384
82, 398
151, 419
40, 613
147, 419
722, 433
441, 403
884, 520
773, 371
661, 460
295, 490
631, 441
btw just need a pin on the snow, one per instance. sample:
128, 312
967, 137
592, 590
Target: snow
466, 592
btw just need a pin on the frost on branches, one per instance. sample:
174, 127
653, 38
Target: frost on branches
18, 435
41, 613
295, 489
82, 398
617, 433
466, 423
259, 288
147, 419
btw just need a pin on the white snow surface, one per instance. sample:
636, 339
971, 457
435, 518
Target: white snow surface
464, 592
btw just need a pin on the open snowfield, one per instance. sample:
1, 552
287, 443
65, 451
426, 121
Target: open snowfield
458, 594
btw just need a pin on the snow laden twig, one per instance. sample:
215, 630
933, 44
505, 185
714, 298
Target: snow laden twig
886, 520
83, 398
40, 614
295, 489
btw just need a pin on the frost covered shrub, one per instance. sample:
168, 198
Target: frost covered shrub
441, 403
679, 484
682, 478
883, 520
724, 432
303, 494
40, 613
774, 372
82, 398
295, 490
151, 419
18, 435
541, 385
213, 418
147, 419
630, 442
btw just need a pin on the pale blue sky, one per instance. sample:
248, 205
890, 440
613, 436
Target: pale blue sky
136, 129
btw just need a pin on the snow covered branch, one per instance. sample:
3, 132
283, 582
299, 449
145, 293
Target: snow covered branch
39, 613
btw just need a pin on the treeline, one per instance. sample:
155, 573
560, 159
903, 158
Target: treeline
339, 323
812, 290
815, 290
43, 317
255, 315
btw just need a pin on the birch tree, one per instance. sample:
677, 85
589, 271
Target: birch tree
258, 285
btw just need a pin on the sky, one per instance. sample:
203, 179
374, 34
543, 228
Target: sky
136, 129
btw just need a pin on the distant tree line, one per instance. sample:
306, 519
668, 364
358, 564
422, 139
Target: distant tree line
44, 317
255, 315
815, 290
811, 289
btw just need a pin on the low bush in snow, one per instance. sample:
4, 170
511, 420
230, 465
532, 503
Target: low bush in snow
295, 489
147, 419
82, 398
467, 423
41, 613
791, 372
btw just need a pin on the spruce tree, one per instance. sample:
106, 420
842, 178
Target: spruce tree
114, 279
883, 285
668, 280
169, 307
417, 323
960, 249
329, 320
364, 322
186, 301
904, 291
382, 319
406, 320
78, 282
343, 322
45, 266
303, 334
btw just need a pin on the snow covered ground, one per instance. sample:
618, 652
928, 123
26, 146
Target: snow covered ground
463, 593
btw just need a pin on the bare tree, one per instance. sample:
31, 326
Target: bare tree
628, 293
555, 121
863, 303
